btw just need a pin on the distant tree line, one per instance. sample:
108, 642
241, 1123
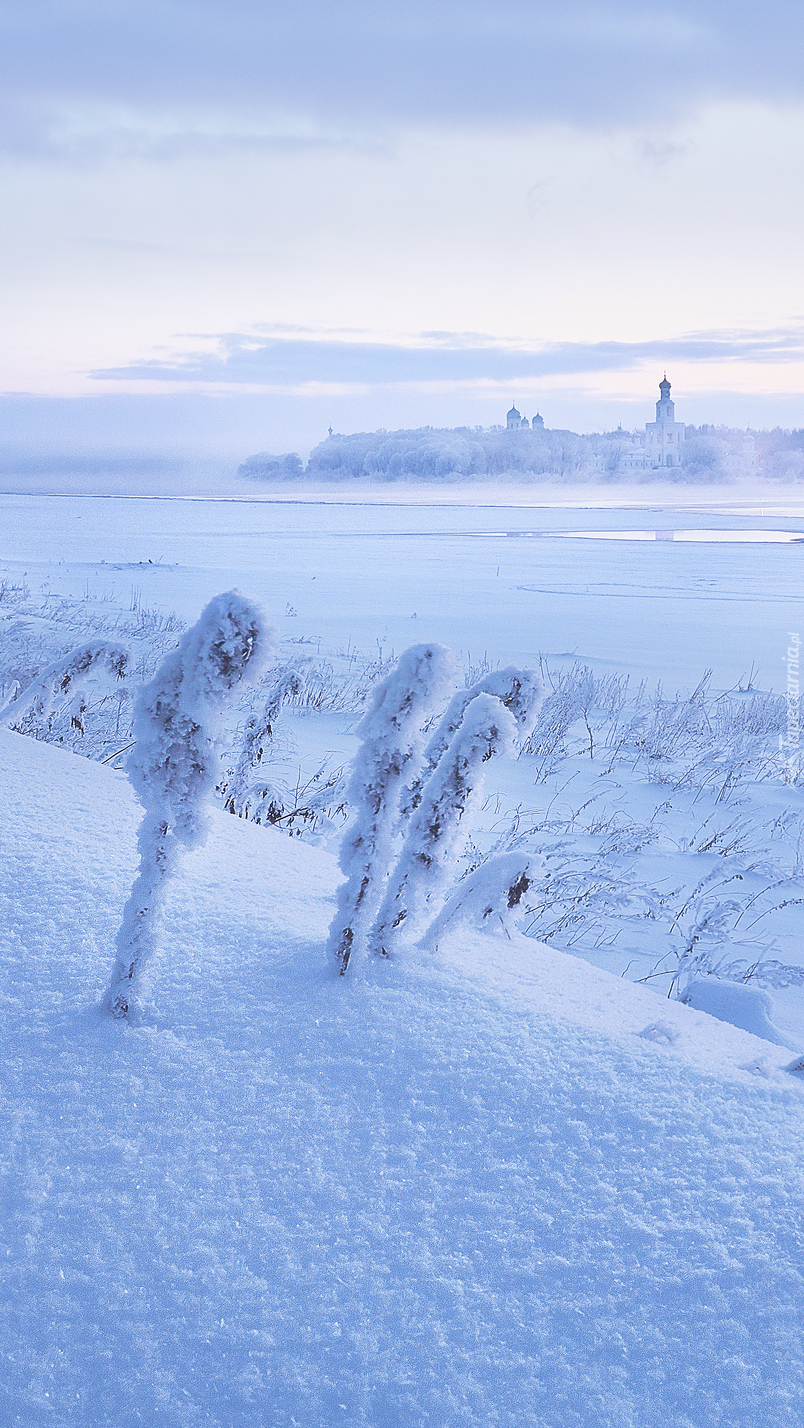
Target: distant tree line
711, 453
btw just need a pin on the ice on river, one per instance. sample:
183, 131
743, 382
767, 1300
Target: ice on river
352, 574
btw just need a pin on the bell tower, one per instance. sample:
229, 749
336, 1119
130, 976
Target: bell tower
664, 437
665, 409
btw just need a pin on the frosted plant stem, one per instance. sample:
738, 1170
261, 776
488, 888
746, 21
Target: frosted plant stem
136, 937
352, 919
520, 690
177, 720
390, 749
437, 830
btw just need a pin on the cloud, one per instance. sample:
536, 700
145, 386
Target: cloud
293, 361
361, 67
93, 139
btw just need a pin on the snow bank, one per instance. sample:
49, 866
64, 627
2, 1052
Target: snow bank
737, 1003
492, 1186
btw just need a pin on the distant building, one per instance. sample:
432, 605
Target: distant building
514, 421
744, 461
631, 454
664, 437
662, 444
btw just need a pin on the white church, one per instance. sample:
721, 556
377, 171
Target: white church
663, 442
664, 437
514, 421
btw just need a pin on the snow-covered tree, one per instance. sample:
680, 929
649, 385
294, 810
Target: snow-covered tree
266, 467
173, 766
520, 690
391, 747
60, 688
436, 833
432, 454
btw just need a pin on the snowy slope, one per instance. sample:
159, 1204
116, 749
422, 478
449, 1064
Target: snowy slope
462, 1190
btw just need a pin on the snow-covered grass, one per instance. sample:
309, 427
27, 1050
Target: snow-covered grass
670, 845
39, 636
492, 1185
38, 632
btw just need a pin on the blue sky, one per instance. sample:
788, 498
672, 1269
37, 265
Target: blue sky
373, 215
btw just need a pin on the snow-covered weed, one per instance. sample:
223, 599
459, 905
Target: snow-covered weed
390, 755
520, 691
491, 898
702, 740
60, 692
37, 633
436, 831
339, 683
174, 763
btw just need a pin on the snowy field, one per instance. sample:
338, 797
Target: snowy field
494, 1183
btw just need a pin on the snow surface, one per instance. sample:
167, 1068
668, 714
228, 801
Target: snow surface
492, 1186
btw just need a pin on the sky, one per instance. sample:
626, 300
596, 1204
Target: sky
227, 226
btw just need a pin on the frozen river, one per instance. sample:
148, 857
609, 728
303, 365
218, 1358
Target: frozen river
717, 588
